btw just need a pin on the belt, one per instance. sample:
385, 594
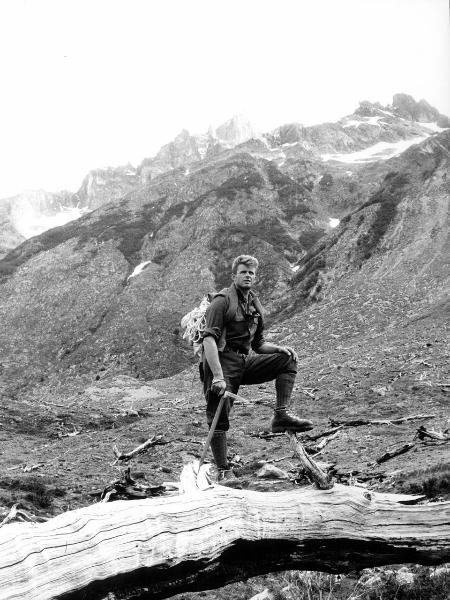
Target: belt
235, 350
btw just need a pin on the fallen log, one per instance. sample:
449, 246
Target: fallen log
156, 548
359, 422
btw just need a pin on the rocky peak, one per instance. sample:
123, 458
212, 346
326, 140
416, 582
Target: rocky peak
181, 151
369, 109
236, 130
405, 106
105, 185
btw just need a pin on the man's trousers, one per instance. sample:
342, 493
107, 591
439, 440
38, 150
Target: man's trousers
240, 369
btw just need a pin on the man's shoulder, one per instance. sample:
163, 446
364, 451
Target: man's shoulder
218, 301
224, 301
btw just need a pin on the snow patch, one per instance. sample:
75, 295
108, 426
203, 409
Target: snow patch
281, 154
32, 223
139, 269
333, 222
433, 127
379, 151
295, 268
366, 121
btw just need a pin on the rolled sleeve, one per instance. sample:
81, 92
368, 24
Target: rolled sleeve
215, 317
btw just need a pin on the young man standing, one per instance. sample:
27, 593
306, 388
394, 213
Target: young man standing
234, 327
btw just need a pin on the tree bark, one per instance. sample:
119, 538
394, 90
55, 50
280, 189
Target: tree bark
156, 548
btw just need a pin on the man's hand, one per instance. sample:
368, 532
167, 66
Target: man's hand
269, 348
218, 386
288, 350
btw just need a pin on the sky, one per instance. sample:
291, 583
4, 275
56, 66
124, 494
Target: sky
94, 83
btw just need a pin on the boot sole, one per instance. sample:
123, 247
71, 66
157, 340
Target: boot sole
292, 429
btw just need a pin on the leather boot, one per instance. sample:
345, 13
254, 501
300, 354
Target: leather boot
284, 420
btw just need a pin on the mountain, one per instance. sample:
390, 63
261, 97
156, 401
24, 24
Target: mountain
31, 213
72, 304
371, 128
88, 311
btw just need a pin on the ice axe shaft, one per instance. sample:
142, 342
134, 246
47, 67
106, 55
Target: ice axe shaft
214, 422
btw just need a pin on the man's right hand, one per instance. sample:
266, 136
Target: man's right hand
218, 386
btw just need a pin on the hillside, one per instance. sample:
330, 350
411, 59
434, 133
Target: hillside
91, 353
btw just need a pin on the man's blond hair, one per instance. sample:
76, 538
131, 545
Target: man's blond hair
244, 259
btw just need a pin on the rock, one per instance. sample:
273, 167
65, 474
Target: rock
380, 390
269, 471
101, 186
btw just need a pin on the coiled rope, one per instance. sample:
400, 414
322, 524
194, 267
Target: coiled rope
194, 322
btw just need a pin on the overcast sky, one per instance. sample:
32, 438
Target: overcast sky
95, 83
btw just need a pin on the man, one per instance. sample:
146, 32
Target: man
228, 340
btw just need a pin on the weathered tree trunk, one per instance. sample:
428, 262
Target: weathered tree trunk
158, 547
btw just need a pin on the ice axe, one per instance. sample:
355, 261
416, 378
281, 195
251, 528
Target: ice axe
214, 422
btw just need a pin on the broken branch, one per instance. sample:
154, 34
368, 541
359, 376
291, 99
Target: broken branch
396, 452
154, 441
423, 433
313, 471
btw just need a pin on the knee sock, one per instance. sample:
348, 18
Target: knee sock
219, 449
284, 385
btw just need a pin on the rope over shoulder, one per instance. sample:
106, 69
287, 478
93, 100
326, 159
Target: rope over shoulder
194, 322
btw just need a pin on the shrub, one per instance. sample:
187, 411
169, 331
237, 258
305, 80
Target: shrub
427, 584
388, 197
326, 181
244, 182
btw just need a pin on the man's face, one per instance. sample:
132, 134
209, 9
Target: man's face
244, 277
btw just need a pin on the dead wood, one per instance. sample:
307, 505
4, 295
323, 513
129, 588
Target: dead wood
126, 488
395, 452
323, 433
265, 435
313, 471
153, 441
317, 448
201, 540
310, 392
26, 468
16, 514
358, 422
354, 477
424, 433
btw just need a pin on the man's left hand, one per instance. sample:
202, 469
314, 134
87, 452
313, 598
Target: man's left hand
288, 350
